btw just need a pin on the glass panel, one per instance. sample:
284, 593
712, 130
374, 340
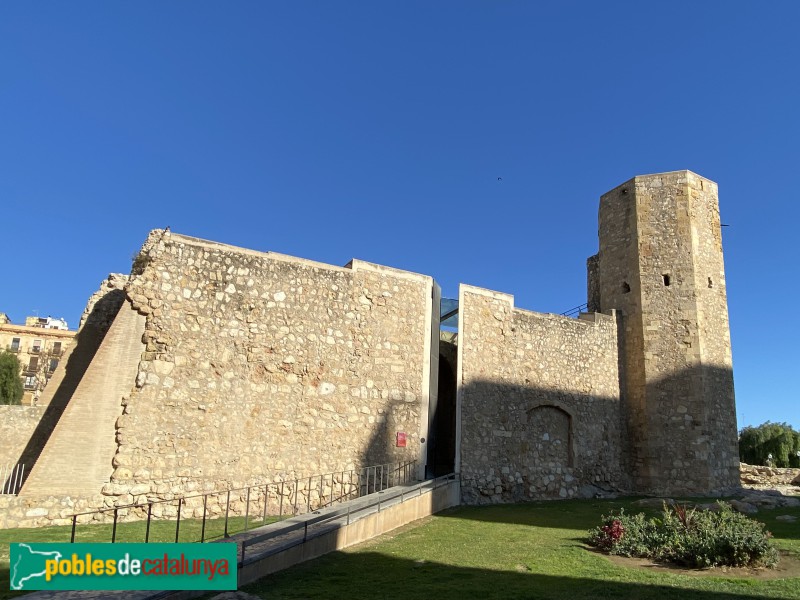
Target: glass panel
448, 306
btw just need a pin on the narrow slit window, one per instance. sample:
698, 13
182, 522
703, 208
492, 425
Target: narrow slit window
710, 283
666, 279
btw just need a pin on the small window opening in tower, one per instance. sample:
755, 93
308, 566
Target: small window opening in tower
666, 278
710, 283
625, 287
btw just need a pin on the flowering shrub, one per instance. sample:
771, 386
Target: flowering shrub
688, 537
609, 535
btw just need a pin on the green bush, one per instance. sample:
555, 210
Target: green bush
690, 537
10, 385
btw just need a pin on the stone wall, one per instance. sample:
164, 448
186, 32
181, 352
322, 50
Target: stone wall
17, 424
267, 367
539, 402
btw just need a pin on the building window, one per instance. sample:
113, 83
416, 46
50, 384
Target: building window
30, 382
14, 345
52, 366
33, 365
56, 349
37, 347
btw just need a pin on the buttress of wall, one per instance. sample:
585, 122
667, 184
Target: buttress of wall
539, 401
265, 366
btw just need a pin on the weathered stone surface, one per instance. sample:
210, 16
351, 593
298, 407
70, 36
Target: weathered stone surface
758, 476
660, 265
770, 499
17, 424
654, 502
256, 366
744, 507
539, 401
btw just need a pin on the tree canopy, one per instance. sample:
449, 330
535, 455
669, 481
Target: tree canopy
10, 384
770, 444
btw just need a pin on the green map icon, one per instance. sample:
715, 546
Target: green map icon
28, 565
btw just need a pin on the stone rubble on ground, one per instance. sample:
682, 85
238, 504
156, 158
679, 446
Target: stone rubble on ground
765, 488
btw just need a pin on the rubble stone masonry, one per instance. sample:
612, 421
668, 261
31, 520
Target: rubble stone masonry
660, 264
539, 402
263, 366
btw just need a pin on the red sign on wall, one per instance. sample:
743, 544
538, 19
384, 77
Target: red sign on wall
401, 439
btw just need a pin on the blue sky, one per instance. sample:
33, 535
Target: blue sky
378, 130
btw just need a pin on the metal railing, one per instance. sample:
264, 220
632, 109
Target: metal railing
318, 520
574, 312
279, 500
11, 477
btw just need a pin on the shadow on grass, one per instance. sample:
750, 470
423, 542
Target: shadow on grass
373, 575
5, 584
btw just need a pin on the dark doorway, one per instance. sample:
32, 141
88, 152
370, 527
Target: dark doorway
443, 427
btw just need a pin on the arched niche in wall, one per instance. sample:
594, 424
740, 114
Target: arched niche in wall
550, 435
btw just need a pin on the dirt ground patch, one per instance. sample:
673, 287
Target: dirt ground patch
788, 566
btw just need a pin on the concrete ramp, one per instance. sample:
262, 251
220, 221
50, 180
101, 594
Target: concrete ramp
76, 460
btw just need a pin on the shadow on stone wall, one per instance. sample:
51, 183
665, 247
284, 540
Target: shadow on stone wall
382, 448
525, 442
677, 446
87, 341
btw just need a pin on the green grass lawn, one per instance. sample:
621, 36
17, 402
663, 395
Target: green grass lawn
532, 550
160, 531
513, 551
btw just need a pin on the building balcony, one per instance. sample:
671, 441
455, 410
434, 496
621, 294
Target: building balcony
12, 348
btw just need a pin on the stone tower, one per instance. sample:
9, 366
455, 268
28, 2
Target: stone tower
660, 265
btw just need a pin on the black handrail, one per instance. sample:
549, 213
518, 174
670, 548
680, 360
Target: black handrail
576, 310
347, 490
